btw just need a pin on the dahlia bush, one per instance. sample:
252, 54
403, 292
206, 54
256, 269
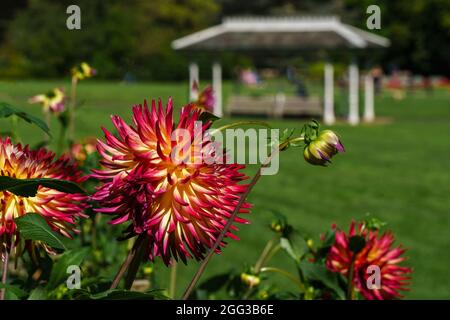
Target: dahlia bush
161, 190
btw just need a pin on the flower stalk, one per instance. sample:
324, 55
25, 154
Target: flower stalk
4, 273
242, 199
287, 275
240, 123
350, 286
134, 255
219, 239
266, 253
173, 280
73, 102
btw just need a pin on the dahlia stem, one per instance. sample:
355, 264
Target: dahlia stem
350, 290
47, 122
224, 231
14, 131
73, 102
240, 123
132, 254
286, 274
4, 273
173, 280
62, 134
264, 256
135, 263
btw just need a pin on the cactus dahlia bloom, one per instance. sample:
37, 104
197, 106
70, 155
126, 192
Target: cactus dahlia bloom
52, 101
59, 209
378, 251
181, 201
320, 150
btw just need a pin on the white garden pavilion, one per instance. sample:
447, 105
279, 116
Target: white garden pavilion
289, 34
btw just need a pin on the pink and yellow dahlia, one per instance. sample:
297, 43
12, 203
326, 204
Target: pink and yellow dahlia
83, 71
377, 252
181, 201
52, 101
205, 99
59, 209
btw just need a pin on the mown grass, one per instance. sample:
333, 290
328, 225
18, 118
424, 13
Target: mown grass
397, 171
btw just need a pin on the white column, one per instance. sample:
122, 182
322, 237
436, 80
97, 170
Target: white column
193, 77
353, 115
217, 88
328, 111
369, 106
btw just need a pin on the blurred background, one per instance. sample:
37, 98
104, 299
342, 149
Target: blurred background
395, 168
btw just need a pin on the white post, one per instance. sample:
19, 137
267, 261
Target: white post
328, 112
217, 88
369, 106
193, 77
353, 115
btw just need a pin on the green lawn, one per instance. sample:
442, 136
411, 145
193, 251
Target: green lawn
398, 172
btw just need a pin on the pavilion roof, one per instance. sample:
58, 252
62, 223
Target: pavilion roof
280, 33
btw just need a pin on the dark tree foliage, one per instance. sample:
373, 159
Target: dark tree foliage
118, 37
419, 31
132, 38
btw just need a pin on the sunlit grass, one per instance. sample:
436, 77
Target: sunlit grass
398, 172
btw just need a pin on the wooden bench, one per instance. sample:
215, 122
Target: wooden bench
248, 105
275, 106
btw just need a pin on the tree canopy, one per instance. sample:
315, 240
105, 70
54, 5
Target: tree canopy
133, 37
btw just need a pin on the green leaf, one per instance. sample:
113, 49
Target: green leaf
34, 227
117, 294
16, 291
294, 245
7, 110
373, 223
324, 248
29, 187
318, 272
38, 293
356, 243
287, 246
59, 270
215, 283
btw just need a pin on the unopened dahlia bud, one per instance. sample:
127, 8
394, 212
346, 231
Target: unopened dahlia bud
277, 226
250, 280
320, 150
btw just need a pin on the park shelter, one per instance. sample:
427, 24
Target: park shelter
292, 34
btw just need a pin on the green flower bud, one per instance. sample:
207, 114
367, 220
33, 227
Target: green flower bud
277, 226
263, 295
148, 270
310, 243
250, 280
